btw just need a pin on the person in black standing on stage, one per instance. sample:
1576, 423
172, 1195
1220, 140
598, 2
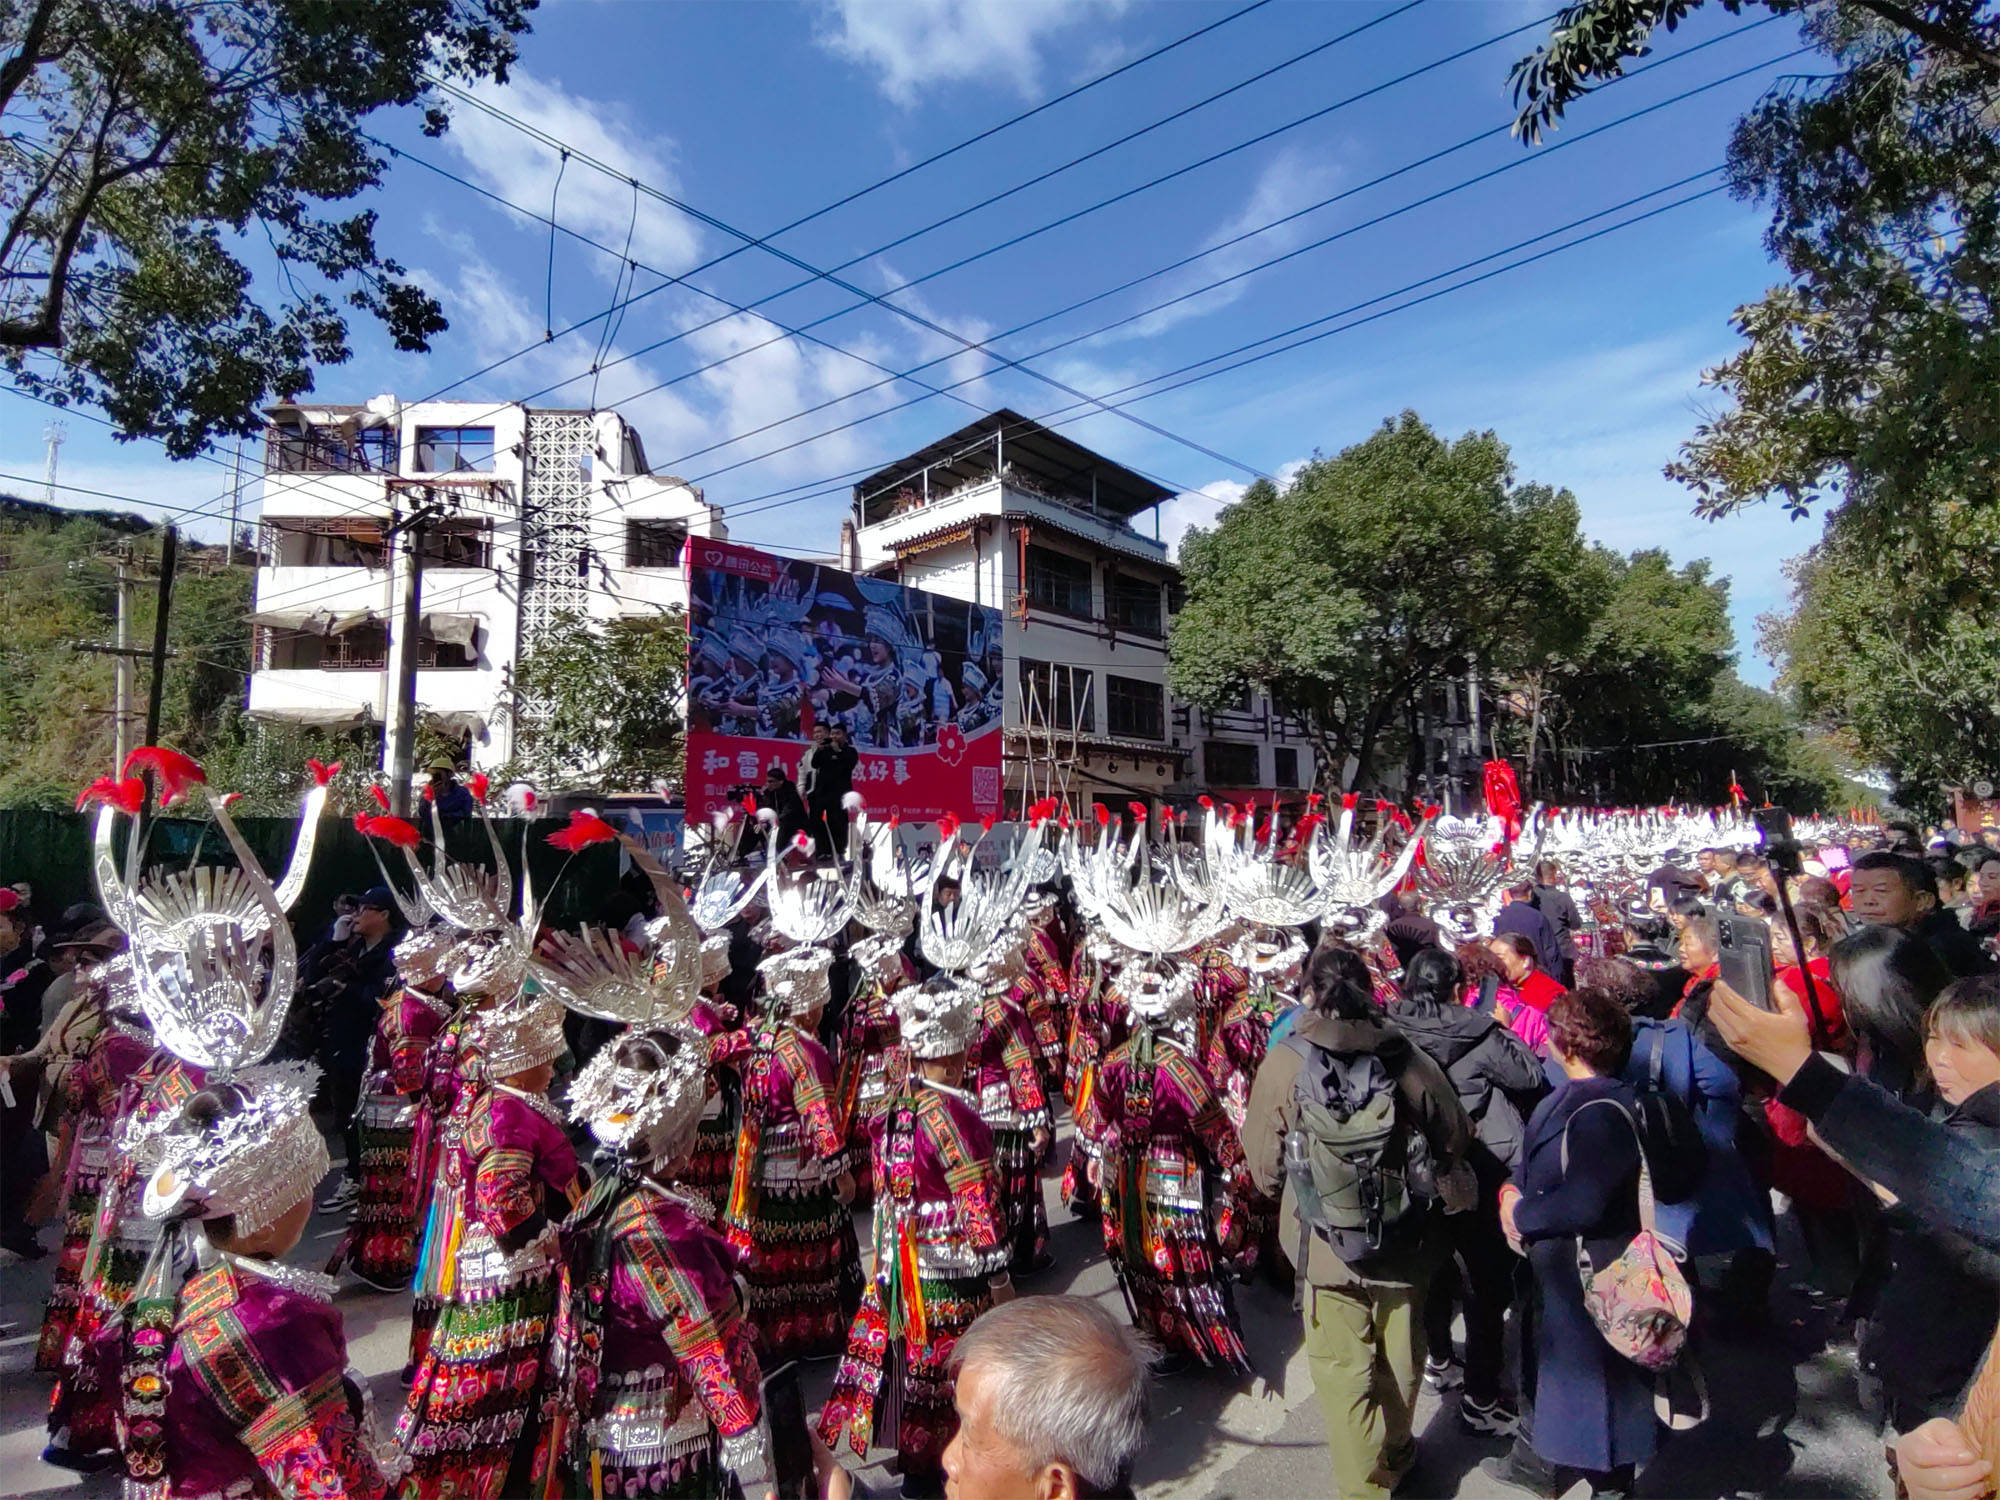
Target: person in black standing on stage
349, 979
780, 795
833, 778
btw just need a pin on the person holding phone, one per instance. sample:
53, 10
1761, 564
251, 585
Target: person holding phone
941, 1240
657, 1365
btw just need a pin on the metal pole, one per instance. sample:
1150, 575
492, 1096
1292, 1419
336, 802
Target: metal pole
403, 723
169, 550
235, 505
121, 669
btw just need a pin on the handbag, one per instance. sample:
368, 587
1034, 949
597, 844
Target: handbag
1640, 1302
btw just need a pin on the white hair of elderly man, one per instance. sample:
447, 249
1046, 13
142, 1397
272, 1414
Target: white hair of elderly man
1065, 1383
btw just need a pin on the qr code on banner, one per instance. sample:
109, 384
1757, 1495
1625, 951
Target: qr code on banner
985, 785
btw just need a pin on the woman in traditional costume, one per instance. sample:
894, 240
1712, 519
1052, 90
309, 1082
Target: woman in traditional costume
474, 1427
787, 1212
381, 1247
868, 1035
1271, 957
705, 1171
657, 1357
1159, 1138
941, 1246
1006, 1073
235, 1380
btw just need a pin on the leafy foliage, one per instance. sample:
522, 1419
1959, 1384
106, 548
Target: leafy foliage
1901, 658
1378, 573
598, 704
161, 155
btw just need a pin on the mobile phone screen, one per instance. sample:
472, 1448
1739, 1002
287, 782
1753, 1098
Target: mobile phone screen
791, 1441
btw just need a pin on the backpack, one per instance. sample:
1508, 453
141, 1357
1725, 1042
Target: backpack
1359, 1168
1676, 1155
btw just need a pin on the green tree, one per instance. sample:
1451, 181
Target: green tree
1872, 376
598, 704
1378, 574
1899, 660
160, 156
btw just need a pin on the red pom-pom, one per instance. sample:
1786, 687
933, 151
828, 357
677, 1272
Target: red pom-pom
1313, 800
947, 828
128, 796
1383, 807
478, 785
1103, 814
1207, 802
390, 830
322, 774
585, 829
1348, 799
381, 797
176, 771
1138, 810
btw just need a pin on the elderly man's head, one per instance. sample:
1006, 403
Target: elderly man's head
1052, 1397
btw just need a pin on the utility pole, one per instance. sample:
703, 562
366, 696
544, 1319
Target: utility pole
402, 738
169, 548
121, 667
235, 504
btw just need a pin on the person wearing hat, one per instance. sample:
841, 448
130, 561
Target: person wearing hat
449, 798
347, 979
24, 1157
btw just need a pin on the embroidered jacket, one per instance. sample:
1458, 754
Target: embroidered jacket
933, 1160
1004, 1068
1163, 1120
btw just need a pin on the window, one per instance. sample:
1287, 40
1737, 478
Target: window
1135, 709
295, 446
362, 649
453, 450
1285, 766
1135, 605
1057, 696
1227, 763
1237, 702
654, 544
315, 542
1059, 582
458, 543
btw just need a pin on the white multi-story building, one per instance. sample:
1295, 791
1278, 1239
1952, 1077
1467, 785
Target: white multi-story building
1007, 512
533, 516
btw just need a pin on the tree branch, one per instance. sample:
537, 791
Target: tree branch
17, 69
1941, 37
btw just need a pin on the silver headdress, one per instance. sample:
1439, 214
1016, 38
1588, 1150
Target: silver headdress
797, 981
1273, 954
1158, 991
490, 964
465, 894
594, 972
197, 950
959, 936
804, 907
521, 1035
880, 956
1354, 877
254, 1164
882, 885
721, 890
426, 953
940, 1017
1137, 895
649, 1116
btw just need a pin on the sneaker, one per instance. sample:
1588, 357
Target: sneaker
1509, 1471
1443, 1374
341, 1197
1488, 1418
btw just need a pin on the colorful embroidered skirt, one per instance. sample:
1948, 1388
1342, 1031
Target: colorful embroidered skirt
802, 1265
650, 1437
903, 1391
388, 1209
478, 1390
714, 1158
88, 1164
1021, 1192
1175, 1283
80, 1407
437, 1261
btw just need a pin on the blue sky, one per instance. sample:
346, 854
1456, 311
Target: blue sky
755, 115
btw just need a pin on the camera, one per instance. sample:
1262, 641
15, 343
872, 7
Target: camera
1781, 847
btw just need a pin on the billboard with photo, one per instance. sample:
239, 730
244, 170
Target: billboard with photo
777, 645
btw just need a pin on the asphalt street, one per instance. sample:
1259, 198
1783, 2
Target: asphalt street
1786, 1418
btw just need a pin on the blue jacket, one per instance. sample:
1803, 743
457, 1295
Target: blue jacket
1730, 1212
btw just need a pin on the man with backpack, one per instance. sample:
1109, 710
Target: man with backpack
1365, 1139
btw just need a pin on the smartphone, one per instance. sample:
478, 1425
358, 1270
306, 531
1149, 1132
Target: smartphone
792, 1469
1743, 945
1834, 857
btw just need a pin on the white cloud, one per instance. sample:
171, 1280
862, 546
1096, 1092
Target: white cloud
919, 46
505, 161
1290, 181
1201, 507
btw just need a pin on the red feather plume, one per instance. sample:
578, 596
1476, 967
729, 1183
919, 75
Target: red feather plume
584, 830
1103, 814
1138, 809
1348, 799
322, 774
478, 784
381, 797
127, 796
177, 772
389, 830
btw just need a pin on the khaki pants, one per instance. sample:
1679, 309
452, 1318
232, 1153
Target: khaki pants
1366, 1349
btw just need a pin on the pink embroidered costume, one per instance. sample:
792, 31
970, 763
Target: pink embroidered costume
868, 1034
1005, 1076
395, 1179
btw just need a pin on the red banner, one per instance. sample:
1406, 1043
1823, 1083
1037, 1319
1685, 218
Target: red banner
777, 646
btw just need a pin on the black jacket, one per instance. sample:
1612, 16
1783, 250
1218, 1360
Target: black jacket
785, 801
1957, 949
1521, 917
1937, 1301
827, 774
1554, 903
1410, 931
1496, 1075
